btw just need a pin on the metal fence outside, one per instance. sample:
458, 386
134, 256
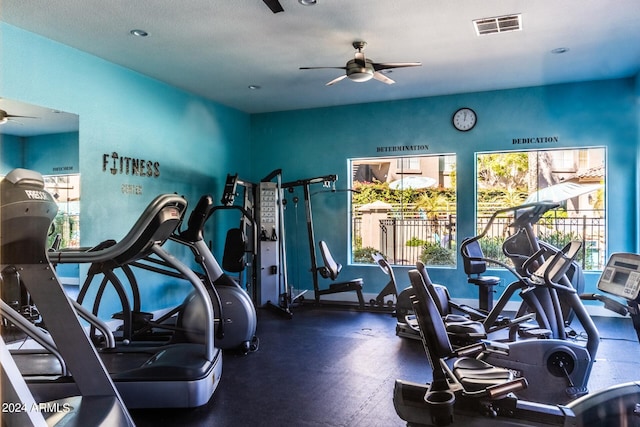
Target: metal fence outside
403, 241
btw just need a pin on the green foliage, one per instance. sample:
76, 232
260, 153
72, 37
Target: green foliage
63, 225
369, 192
559, 239
434, 254
585, 257
503, 170
492, 248
363, 255
415, 242
434, 203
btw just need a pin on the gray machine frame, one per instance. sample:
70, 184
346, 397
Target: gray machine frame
27, 211
178, 375
445, 401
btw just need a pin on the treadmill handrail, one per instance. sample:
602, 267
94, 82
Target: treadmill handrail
34, 333
110, 341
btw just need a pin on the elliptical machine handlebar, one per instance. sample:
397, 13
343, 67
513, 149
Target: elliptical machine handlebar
197, 219
531, 211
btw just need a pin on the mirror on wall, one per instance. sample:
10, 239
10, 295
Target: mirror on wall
25, 120
38, 138
46, 140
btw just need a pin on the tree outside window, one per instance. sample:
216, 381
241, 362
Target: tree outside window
404, 208
574, 178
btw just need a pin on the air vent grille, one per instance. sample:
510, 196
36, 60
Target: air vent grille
498, 24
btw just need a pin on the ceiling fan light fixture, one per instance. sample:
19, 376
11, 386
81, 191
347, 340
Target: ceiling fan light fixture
3, 120
307, 2
360, 76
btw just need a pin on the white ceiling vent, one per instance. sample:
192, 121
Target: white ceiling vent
498, 24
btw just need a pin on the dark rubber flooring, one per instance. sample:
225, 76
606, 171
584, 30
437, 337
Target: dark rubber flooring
328, 367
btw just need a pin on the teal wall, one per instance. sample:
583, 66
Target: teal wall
52, 154
11, 153
48, 154
636, 122
318, 141
195, 141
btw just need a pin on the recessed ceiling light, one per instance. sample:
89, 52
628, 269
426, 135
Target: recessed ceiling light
560, 50
254, 87
139, 33
307, 2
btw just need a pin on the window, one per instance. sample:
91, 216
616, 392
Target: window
408, 164
65, 189
404, 207
574, 178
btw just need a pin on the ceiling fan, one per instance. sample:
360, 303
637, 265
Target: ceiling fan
5, 117
274, 5
361, 69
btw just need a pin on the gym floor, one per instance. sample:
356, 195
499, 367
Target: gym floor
330, 367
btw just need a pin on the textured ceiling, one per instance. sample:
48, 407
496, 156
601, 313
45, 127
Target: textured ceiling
217, 48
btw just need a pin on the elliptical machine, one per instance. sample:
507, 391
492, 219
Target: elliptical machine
557, 369
238, 319
537, 303
471, 392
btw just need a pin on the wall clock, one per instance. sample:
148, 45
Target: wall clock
464, 119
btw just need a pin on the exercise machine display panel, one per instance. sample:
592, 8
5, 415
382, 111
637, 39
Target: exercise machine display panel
621, 276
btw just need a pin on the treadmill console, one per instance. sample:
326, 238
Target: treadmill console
621, 276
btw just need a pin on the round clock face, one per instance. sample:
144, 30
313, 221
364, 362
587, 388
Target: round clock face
464, 119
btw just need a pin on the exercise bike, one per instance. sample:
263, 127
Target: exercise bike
468, 391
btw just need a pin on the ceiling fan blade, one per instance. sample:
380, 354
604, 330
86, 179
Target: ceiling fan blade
382, 78
274, 5
5, 115
389, 65
9, 116
322, 68
336, 80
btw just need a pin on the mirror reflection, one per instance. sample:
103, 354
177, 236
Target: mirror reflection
46, 140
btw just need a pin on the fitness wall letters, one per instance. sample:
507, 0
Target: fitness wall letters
130, 166
123, 165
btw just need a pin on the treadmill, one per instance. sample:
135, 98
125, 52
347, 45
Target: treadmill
150, 374
26, 213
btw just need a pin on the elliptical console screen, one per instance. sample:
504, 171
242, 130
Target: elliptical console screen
621, 276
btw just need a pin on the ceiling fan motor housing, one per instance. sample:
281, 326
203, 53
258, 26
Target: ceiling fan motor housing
358, 73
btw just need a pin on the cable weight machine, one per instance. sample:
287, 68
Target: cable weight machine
265, 200
330, 269
261, 204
